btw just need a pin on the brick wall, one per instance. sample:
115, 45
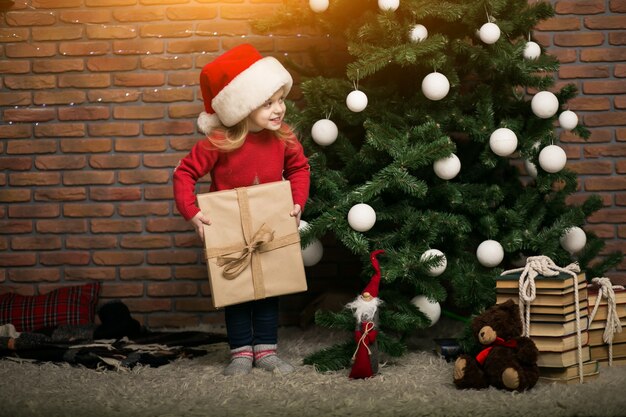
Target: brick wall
98, 102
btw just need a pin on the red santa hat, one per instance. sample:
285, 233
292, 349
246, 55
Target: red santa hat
372, 287
236, 83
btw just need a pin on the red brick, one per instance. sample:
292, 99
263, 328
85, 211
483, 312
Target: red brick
139, 15
111, 32
108, 64
148, 305
222, 29
57, 33
153, 176
14, 67
146, 242
143, 209
605, 22
36, 243
26, 290
183, 78
61, 226
60, 97
30, 18
605, 119
113, 96
597, 136
114, 161
84, 80
166, 30
603, 54
15, 99
188, 240
191, 13
168, 95
89, 273
88, 210
161, 160
114, 129
617, 38
121, 290
241, 12
620, 102
31, 146
15, 132
84, 113
30, 82
34, 211
190, 272
183, 144
138, 80
138, 47
89, 242
54, 4
30, 50
35, 275
17, 259
86, 177
620, 166
86, 145
60, 194
605, 183
618, 6
118, 258
15, 226
166, 63
559, 23
185, 111
192, 46
115, 194
139, 112
85, 16
54, 162
29, 115
584, 71
60, 130
167, 225
34, 178
604, 87
155, 273
158, 193
603, 231
587, 103
14, 196
171, 289
84, 48
172, 257
194, 304
16, 163
64, 258
141, 145
169, 128
584, 7
116, 226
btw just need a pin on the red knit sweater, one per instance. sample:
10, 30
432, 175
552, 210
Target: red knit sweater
263, 158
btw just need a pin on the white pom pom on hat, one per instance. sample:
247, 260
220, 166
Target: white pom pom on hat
236, 83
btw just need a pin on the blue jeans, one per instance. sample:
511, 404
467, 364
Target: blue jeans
252, 323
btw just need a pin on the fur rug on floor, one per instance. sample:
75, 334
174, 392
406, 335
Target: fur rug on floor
418, 384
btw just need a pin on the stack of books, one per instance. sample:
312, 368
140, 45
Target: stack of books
553, 324
599, 349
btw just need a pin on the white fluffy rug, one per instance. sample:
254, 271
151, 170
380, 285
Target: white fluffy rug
418, 384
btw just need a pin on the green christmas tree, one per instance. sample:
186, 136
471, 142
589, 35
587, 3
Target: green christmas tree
446, 84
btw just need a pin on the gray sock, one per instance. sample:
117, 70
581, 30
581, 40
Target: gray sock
265, 357
240, 361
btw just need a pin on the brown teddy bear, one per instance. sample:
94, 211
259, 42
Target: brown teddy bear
508, 361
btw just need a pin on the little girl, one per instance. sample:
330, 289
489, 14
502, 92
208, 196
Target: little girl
247, 144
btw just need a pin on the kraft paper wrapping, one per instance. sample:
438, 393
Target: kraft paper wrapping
252, 245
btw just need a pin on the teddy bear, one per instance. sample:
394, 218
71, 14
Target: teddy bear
508, 360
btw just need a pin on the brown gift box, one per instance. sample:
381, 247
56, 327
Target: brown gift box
252, 245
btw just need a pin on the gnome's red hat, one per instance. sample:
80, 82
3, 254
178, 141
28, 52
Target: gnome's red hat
236, 83
372, 287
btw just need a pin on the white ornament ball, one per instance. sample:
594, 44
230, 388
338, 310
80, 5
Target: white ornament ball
447, 168
435, 86
314, 251
544, 104
552, 158
324, 132
503, 141
390, 5
531, 168
431, 309
440, 267
490, 253
574, 239
532, 50
318, 6
356, 101
361, 217
418, 33
489, 33
568, 120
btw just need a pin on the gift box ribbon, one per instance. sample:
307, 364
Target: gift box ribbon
255, 243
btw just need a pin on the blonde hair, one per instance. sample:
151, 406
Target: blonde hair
227, 139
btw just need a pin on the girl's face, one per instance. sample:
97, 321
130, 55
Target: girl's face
270, 115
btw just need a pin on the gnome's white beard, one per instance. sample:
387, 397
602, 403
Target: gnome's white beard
364, 310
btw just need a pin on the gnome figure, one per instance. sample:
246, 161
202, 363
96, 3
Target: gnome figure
365, 310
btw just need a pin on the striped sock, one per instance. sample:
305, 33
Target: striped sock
265, 357
240, 361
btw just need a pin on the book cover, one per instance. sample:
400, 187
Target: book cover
562, 280
589, 367
562, 359
547, 291
602, 352
601, 324
547, 299
620, 296
556, 329
557, 309
603, 311
572, 380
558, 318
604, 363
560, 344
595, 336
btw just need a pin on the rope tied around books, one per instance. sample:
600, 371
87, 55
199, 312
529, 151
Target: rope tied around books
543, 265
613, 324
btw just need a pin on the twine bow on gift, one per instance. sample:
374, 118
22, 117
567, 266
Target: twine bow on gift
235, 265
543, 265
613, 324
